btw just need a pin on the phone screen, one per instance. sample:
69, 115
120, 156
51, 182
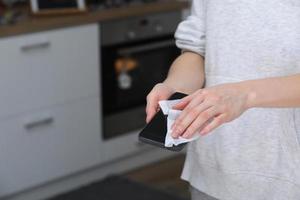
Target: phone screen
155, 131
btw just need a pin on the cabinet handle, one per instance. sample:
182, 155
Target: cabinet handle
38, 122
36, 45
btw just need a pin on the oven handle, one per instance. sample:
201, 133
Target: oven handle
147, 47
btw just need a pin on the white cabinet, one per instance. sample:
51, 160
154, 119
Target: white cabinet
31, 155
49, 102
48, 68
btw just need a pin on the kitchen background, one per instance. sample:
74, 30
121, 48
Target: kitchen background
74, 77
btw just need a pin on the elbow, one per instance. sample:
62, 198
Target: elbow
190, 36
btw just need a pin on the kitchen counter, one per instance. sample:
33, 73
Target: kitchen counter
36, 24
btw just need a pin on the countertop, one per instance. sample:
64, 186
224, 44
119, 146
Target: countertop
36, 24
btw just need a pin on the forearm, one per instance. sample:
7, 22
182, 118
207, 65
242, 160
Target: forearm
186, 74
273, 92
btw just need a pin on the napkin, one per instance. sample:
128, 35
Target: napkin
172, 114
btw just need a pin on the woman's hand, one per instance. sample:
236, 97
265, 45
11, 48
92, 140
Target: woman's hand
160, 91
208, 108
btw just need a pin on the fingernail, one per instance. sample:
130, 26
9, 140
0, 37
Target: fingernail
203, 132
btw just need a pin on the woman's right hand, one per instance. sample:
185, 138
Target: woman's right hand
161, 91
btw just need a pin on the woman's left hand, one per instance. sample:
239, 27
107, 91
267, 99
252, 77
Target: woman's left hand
208, 108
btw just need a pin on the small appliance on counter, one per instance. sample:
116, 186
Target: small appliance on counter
136, 54
105, 4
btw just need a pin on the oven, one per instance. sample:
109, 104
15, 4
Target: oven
136, 54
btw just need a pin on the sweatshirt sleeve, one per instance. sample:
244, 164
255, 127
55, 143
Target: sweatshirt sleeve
190, 33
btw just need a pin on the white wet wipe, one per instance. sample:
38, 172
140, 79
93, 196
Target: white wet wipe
166, 107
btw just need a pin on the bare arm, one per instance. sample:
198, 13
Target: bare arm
186, 73
273, 92
223, 103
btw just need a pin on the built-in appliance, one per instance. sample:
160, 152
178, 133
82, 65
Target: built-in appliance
136, 54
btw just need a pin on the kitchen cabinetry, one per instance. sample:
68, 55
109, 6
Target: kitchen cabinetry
50, 113
48, 68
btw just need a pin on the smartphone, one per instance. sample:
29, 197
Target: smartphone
154, 133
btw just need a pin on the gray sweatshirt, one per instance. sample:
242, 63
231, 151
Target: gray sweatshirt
257, 156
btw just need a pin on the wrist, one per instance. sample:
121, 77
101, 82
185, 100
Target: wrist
176, 86
172, 85
250, 93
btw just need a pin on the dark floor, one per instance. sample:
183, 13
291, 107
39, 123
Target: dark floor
163, 175
160, 180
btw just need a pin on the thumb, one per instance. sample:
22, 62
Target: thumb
151, 108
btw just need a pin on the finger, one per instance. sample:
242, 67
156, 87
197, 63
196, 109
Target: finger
215, 123
183, 102
202, 118
188, 115
186, 118
196, 100
151, 107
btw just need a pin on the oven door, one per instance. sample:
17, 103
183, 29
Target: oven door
129, 72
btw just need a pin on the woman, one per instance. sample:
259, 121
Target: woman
247, 55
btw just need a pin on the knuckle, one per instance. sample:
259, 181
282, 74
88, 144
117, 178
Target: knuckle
187, 110
157, 85
215, 98
192, 129
149, 96
193, 113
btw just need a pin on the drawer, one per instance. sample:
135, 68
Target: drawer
48, 144
48, 68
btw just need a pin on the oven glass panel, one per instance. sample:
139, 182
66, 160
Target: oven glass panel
129, 72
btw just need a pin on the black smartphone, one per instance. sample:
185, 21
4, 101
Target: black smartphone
155, 131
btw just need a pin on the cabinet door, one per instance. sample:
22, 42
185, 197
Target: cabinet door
48, 68
40, 146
